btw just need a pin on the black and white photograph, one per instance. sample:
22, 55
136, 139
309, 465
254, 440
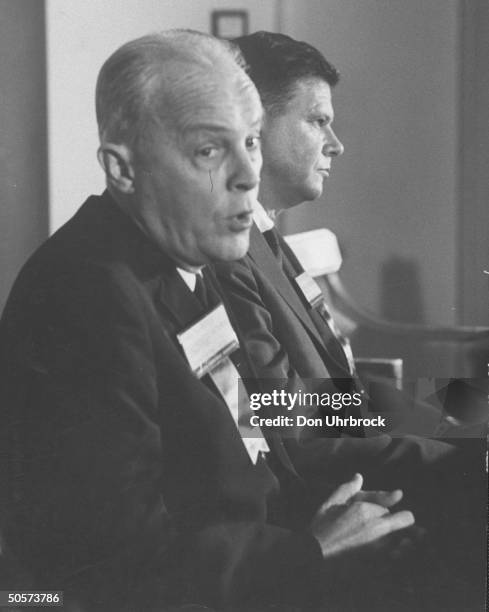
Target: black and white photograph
244, 305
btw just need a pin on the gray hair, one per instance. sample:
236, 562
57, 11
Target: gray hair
138, 82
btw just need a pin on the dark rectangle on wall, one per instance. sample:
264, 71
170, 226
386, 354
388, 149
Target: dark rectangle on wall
229, 24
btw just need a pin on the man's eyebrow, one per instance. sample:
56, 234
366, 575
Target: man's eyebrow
216, 127
317, 109
205, 127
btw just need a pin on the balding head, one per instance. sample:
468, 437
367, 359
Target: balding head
179, 122
147, 80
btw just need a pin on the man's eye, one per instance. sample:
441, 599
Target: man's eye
208, 152
252, 142
321, 121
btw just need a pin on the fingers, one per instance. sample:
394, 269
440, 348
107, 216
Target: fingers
389, 523
401, 520
376, 522
368, 511
345, 526
344, 493
383, 498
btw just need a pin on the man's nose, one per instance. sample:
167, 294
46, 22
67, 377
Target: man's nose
333, 145
246, 171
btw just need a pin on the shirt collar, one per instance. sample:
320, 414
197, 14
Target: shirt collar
261, 218
189, 278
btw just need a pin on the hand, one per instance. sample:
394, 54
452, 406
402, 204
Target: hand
351, 518
381, 498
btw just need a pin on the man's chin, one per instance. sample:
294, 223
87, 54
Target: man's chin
309, 194
314, 192
235, 249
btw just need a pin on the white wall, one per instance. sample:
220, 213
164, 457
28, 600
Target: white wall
394, 192
81, 34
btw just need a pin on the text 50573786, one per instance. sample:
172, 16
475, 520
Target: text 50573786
31, 598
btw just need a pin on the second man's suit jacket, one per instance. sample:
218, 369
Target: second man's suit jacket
284, 340
278, 326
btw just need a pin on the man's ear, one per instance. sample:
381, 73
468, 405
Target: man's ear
117, 163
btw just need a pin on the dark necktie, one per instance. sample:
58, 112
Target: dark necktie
200, 291
272, 238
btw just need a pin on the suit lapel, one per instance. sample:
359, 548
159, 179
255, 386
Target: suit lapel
157, 269
183, 308
245, 367
263, 257
178, 300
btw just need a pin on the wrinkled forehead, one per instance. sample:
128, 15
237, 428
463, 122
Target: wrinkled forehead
202, 93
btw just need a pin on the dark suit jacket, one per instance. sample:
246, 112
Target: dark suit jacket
286, 337
127, 477
279, 330
442, 485
286, 340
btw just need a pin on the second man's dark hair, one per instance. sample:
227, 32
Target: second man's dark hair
276, 62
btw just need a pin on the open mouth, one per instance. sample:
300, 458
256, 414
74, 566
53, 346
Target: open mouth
242, 221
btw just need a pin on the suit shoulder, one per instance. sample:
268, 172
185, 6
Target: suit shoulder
241, 270
97, 252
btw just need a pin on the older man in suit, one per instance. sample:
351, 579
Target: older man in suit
131, 476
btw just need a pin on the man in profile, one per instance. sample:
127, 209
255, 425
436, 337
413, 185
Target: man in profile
131, 480
289, 332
